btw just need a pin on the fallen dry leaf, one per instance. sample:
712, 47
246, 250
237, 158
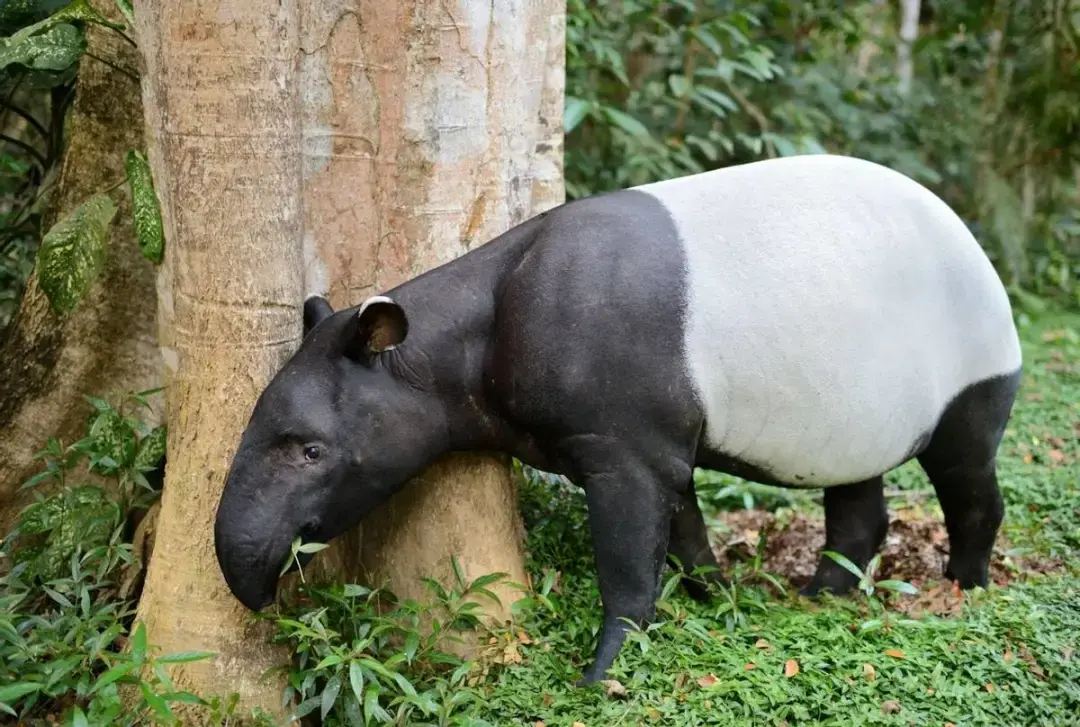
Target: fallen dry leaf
930, 691
524, 637
1067, 652
1008, 654
707, 681
1057, 456
868, 672
890, 706
895, 653
989, 687
579, 724
749, 666
615, 689
761, 644
791, 668
511, 655
539, 724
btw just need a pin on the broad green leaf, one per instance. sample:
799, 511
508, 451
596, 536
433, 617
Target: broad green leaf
13, 691
330, 695
52, 50
574, 111
312, 547
73, 252
78, 718
146, 212
356, 680
626, 122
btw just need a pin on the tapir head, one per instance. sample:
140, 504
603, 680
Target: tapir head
336, 432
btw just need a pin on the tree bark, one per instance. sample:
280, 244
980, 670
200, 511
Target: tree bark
222, 121
429, 128
48, 361
909, 31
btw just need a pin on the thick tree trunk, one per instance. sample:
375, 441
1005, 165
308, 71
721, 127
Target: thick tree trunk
49, 361
429, 128
223, 136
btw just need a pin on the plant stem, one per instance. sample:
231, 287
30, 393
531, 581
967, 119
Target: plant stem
113, 66
25, 147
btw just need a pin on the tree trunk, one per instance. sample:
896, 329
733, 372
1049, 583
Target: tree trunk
429, 128
909, 31
219, 89
49, 361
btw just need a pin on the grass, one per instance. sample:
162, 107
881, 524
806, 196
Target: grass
756, 654
753, 656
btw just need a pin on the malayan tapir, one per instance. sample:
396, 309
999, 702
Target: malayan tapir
810, 321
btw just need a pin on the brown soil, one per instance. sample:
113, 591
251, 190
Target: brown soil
915, 551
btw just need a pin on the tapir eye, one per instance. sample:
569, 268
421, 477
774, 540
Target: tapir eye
312, 452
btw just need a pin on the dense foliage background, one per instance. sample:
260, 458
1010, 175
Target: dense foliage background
657, 88
989, 118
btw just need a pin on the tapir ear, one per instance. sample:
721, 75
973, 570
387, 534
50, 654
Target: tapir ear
316, 309
378, 326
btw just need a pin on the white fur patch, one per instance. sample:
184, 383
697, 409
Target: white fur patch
372, 300
834, 309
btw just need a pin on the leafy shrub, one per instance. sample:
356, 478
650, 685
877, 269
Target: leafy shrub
66, 599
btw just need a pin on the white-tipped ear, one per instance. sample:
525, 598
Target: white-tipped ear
371, 301
379, 325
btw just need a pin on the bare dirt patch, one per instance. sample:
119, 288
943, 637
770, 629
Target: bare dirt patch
915, 550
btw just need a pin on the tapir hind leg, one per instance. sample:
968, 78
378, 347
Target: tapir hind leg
961, 462
689, 543
630, 508
856, 521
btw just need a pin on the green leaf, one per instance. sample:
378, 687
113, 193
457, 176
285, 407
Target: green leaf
372, 708
73, 252
127, 11
626, 122
183, 657
680, 86
330, 695
82, 10
305, 708
78, 718
151, 448
55, 49
845, 563
160, 707
117, 672
898, 586
312, 547
138, 643
146, 212
356, 680
13, 691
574, 112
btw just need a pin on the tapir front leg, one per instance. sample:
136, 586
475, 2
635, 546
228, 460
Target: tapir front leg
629, 515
